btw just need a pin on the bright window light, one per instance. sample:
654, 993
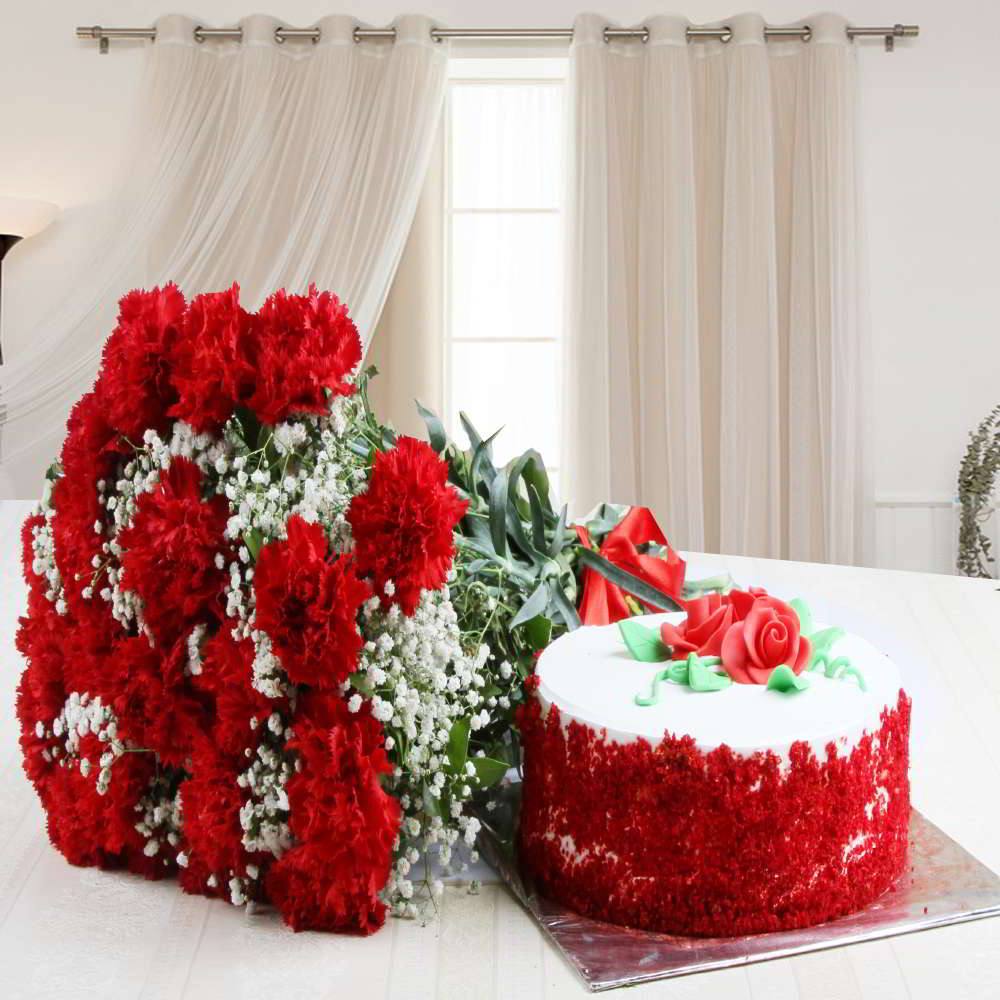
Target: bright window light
504, 270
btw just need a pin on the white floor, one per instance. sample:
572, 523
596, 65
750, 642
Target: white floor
70, 932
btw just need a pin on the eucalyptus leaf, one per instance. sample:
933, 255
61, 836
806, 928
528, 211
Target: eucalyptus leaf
481, 462
498, 513
559, 535
627, 581
533, 606
566, 610
537, 518
435, 429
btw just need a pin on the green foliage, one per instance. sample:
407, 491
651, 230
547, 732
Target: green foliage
518, 569
515, 586
977, 478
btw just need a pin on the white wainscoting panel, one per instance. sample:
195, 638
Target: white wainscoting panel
921, 534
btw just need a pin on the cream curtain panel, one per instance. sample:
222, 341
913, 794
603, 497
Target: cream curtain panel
716, 349
268, 164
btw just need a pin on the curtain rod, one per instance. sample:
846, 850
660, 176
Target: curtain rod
890, 33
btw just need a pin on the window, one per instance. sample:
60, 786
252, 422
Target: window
503, 258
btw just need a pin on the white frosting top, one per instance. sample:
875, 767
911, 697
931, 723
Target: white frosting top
591, 677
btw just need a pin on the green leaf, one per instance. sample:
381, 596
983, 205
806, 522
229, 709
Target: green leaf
432, 805
535, 475
253, 541
537, 518
559, 535
627, 581
498, 513
538, 632
473, 435
249, 424
488, 770
643, 643
785, 680
435, 429
603, 519
360, 682
532, 607
805, 615
564, 606
700, 678
458, 744
481, 461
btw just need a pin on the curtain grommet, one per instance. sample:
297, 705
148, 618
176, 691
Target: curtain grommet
728, 36
279, 36
808, 36
198, 36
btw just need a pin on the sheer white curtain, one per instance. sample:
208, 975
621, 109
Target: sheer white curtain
716, 343
268, 164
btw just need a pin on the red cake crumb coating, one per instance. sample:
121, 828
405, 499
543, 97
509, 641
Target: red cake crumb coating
672, 839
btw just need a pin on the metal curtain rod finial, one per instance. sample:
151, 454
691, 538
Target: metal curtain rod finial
281, 34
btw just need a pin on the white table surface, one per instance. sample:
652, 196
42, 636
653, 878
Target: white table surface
74, 932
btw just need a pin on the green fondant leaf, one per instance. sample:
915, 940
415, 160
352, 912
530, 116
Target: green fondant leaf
700, 678
643, 643
785, 680
805, 615
821, 643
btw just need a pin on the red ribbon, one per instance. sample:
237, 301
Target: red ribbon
604, 602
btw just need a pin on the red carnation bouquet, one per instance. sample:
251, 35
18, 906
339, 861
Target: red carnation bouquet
245, 663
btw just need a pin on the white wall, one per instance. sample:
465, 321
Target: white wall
931, 133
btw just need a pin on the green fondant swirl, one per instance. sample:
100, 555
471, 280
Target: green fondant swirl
693, 672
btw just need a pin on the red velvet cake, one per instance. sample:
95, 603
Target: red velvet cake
732, 771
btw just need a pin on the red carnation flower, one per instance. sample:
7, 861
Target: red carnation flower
302, 346
308, 604
345, 822
403, 524
135, 371
226, 672
212, 372
151, 702
88, 455
169, 553
211, 801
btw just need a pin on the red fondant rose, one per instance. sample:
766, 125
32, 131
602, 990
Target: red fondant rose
708, 620
768, 637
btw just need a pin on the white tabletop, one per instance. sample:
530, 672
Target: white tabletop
77, 932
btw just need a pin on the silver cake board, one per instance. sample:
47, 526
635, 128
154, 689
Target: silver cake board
943, 884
